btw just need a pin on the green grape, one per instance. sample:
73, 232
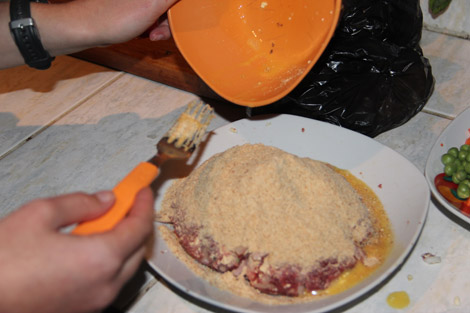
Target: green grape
447, 159
453, 151
465, 182
468, 157
463, 191
462, 155
450, 169
458, 176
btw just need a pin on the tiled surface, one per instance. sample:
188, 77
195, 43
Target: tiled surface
450, 61
415, 138
31, 99
454, 21
93, 146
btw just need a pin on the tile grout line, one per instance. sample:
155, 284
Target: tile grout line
445, 31
61, 115
442, 115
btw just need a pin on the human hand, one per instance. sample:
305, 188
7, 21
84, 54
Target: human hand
115, 21
160, 30
68, 26
45, 270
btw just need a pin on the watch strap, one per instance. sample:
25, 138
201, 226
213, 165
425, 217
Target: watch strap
26, 35
20, 9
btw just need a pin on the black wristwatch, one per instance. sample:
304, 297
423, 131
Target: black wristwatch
26, 35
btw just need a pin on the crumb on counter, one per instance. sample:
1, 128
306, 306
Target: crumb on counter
430, 258
264, 4
457, 300
409, 277
233, 130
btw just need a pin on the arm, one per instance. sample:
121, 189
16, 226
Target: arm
77, 25
45, 270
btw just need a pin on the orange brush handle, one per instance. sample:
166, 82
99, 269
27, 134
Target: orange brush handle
141, 176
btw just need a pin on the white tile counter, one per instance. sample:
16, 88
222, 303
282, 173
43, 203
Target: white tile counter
79, 126
454, 21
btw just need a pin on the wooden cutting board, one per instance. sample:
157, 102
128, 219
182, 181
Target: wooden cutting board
158, 61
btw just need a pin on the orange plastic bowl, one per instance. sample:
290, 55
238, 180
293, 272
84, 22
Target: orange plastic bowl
253, 52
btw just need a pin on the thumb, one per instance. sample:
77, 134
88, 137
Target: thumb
77, 207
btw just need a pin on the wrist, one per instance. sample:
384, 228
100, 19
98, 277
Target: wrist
26, 35
64, 27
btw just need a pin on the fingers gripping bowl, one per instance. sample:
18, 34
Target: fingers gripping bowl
360, 155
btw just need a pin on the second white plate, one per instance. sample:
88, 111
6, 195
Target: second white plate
454, 135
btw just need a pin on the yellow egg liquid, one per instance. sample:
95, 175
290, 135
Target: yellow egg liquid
398, 300
378, 249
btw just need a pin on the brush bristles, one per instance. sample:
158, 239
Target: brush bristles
189, 129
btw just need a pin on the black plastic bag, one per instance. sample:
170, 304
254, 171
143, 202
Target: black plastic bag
373, 76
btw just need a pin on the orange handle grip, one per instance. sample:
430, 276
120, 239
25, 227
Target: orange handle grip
141, 176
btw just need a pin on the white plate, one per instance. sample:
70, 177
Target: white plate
399, 184
453, 136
